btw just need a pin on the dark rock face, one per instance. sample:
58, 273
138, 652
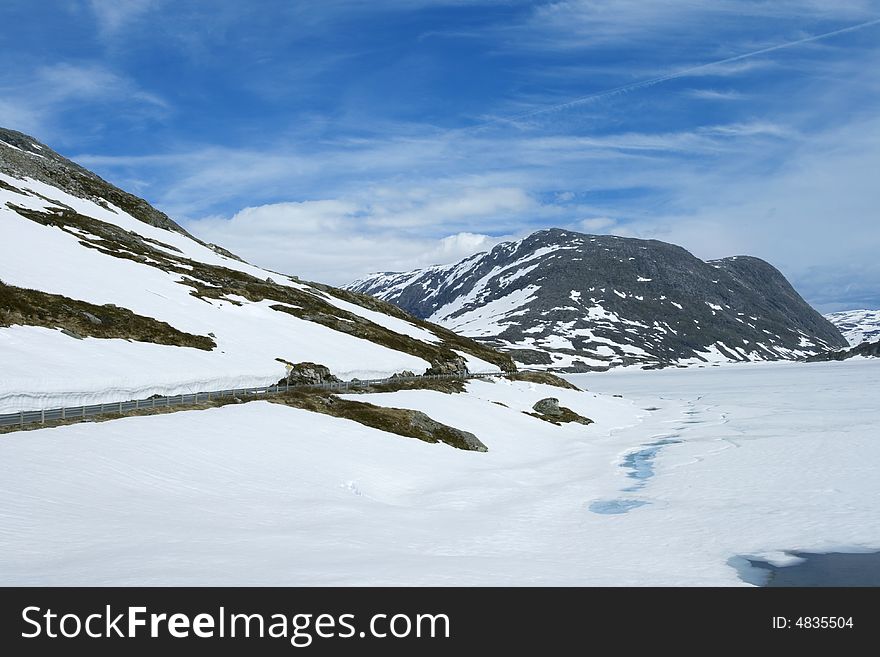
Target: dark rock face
53, 169
565, 300
866, 349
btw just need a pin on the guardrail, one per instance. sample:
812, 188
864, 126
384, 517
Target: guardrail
81, 413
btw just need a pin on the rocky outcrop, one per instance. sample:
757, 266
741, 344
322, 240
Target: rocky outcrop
866, 350
456, 365
400, 421
405, 374
421, 424
79, 319
308, 374
545, 378
549, 410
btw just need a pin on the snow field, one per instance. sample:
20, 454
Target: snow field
771, 458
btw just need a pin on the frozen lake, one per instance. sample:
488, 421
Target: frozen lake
768, 459
690, 471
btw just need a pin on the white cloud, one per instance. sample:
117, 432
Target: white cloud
296, 219
63, 82
458, 246
716, 94
421, 207
114, 15
336, 241
596, 224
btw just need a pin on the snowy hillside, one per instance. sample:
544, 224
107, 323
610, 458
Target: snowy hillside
561, 299
857, 326
103, 298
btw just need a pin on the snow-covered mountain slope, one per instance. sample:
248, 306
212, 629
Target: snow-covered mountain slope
104, 298
857, 326
567, 300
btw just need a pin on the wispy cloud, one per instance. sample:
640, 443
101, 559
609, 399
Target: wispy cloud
589, 24
689, 70
115, 15
716, 94
64, 82
35, 102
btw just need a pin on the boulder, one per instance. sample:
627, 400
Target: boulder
455, 365
548, 406
94, 319
72, 334
309, 374
549, 410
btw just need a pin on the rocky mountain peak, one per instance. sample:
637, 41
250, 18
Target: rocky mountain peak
563, 299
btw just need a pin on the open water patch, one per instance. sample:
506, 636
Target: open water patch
641, 468
615, 507
641, 463
815, 569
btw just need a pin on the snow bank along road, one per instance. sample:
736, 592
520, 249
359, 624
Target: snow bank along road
23, 418
741, 460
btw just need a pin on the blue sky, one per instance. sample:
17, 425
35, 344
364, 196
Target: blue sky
337, 137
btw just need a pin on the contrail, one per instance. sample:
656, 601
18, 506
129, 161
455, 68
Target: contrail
679, 74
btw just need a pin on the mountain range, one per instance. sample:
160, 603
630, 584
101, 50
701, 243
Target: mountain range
857, 326
103, 297
576, 302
